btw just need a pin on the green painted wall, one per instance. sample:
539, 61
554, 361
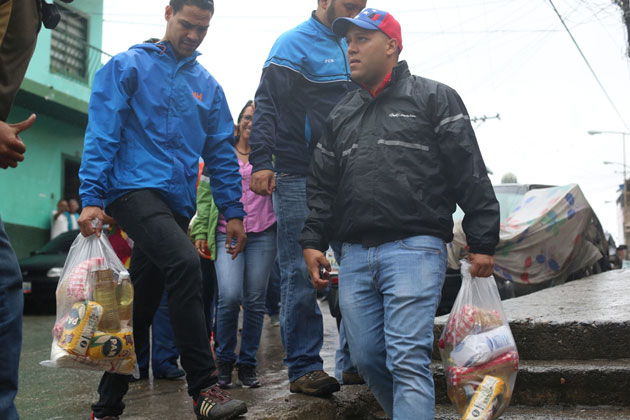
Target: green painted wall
31, 191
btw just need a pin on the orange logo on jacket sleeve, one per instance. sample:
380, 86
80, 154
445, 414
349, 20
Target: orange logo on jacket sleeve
198, 95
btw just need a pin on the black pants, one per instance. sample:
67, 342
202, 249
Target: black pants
209, 276
163, 256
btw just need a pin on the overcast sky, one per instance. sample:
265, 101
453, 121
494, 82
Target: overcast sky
508, 57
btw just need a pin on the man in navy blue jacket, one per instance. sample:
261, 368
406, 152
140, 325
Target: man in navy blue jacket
303, 79
154, 110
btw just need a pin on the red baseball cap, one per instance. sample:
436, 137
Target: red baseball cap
372, 20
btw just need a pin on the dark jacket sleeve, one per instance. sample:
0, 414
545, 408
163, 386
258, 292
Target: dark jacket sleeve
321, 191
275, 86
466, 172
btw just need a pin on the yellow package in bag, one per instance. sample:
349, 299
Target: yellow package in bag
80, 326
117, 345
483, 404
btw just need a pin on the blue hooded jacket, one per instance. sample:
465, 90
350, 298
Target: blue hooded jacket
305, 76
150, 118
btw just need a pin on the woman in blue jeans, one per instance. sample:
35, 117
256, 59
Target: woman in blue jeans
243, 280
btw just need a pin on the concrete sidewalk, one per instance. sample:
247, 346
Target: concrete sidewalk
554, 322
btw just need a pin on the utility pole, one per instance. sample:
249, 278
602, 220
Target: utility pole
625, 8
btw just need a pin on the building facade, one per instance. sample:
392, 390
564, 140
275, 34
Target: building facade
56, 88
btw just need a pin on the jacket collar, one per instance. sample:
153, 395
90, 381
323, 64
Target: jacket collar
166, 48
400, 71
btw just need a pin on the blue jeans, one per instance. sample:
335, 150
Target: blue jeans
243, 280
11, 307
343, 360
388, 296
163, 352
272, 302
301, 323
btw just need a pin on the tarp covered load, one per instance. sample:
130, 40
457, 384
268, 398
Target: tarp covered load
545, 237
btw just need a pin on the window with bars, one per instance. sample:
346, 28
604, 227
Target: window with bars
69, 45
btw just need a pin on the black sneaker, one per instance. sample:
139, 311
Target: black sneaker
171, 374
224, 375
216, 404
247, 376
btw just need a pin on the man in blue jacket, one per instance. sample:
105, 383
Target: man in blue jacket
154, 110
305, 75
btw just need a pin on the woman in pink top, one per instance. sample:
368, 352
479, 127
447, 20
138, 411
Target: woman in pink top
243, 281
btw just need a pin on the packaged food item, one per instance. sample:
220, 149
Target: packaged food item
470, 319
78, 286
105, 294
80, 326
461, 395
486, 399
60, 358
111, 345
477, 349
508, 363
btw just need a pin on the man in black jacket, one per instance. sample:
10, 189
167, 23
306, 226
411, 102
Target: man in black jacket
394, 160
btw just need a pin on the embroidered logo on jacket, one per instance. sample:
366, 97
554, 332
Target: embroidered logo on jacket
198, 95
401, 115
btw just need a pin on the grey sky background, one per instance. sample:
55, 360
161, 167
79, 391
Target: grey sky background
511, 57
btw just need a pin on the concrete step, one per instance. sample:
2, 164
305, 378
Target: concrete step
541, 383
580, 320
357, 403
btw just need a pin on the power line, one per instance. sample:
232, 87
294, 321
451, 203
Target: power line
589, 66
483, 119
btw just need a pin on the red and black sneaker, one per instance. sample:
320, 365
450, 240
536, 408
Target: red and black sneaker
215, 404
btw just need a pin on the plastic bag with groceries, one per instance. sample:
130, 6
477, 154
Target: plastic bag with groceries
93, 329
478, 350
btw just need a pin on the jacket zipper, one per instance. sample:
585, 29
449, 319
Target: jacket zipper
345, 60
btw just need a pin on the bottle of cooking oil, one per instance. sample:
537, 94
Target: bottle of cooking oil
105, 295
124, 297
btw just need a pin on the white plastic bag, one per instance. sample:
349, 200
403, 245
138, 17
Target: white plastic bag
478, 350
93, 329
